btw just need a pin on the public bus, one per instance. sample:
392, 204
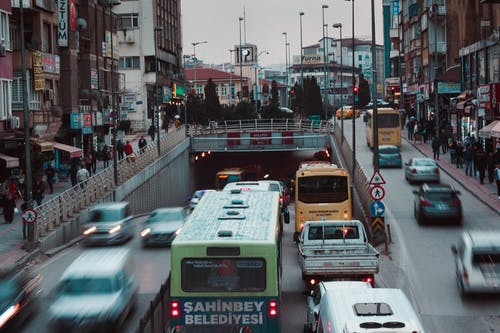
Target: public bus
225, 273
229, 175
389, 127
322, 192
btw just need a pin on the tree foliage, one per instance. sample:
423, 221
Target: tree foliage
364, 91
212, 109
313, 103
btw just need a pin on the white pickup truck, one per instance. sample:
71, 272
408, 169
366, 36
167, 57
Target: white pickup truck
336, 250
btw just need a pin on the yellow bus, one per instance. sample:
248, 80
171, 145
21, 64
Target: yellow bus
322, 192
389, 127
229, 175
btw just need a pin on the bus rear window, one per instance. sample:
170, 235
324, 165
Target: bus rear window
223, 274
388, 120
324, 189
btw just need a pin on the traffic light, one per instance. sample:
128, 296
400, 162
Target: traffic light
356, 95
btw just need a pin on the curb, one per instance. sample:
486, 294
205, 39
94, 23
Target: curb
452, 176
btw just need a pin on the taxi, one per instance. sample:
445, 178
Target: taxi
347, 112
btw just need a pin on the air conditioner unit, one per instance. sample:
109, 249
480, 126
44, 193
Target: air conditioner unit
15, 122
48, 94
130, 38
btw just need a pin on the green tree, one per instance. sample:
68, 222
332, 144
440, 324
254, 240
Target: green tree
194, 109
211, 108
313, 103
363, 92
244, 110
296, 98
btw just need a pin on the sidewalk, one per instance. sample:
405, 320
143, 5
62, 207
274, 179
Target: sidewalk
12, 252
486, 193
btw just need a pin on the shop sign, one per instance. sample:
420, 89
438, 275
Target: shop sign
312, 59
62, 26
51, 63
87, 130
98, 118
448, 87
86, 119
488, 96
38, 75
94, 79
75, 121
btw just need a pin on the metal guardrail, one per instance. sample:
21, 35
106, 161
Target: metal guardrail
156, 318
69, 203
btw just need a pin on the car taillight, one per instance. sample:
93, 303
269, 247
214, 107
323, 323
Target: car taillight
174, 309
413, 170
273, 308
436, 170
457, 203
369, 280
281, 199
312, 282
425, 202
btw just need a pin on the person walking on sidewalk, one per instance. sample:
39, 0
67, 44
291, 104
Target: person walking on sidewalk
88, 162
50, 172
94, 160
105, 155
142, 144
82, 175
469, 159
152, 131
481, 161
120, 149
460, 155
38, 190
9, 204
490, 163
435, 147
497, 179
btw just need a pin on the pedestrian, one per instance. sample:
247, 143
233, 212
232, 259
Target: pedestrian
13, 190
94, 160
105, 155
24, 206
120, 149
142, 144
38, 190
88, 162
444, 141
490, 164
497, 179
129, 152
469, 159
8, 208
460, 155
152, 131
50, 172
481, 162
73, 171
82, 176
435, 147
410, 126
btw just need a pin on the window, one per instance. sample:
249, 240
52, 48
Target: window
5, 100
232, 90
224, 89
199, 89
34, 97
47, 34
4, 29
128, 21
129, 102
129, 63
326, 189
217, 90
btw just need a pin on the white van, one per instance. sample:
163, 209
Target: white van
95, 293
359, 309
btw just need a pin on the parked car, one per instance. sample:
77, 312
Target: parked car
161, 227
477, 262
421, 169
18, 297
195, 198
437, 202
347, 112
108, 223
389, 156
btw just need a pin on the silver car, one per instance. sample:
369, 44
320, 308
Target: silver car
108, 223
421, 169
477, 262
162, 225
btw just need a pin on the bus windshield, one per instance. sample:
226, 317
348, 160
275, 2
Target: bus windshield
388, 120
323, 189
223, 274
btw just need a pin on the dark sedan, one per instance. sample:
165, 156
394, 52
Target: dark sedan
162, 225
389, 156
437, 202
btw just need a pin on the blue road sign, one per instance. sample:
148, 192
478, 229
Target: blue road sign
377, 208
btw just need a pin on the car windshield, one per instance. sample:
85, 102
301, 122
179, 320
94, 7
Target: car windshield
274, 187
105, 215
388, 150
441, 196
166, 216
424, 163
486, 258
86, 286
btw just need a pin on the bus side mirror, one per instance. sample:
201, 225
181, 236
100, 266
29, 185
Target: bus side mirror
365, 118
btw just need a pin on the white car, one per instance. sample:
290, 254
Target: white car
195, 198
477, 262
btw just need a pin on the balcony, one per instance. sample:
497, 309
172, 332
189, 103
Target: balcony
393, 33
441, 48
127, 36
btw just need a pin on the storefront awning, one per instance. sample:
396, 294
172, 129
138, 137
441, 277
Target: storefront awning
44, 145
467, 94
73, 151
10, 162
490, 130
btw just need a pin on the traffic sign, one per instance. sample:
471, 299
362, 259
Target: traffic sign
377, 193
377, 178
377, 208
29, 215
378, 224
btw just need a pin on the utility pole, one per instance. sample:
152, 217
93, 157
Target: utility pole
241, 64
286, 69
374, 92
325, 55
436, 67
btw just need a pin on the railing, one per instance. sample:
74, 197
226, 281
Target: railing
68, 204
156, 318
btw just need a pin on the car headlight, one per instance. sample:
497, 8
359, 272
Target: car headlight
145, 232
8, 313
115, 229
89, 231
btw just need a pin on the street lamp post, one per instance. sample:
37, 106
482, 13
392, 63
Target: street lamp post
156, 94
286, 69
231, 76
325, 54
301, 55
241, 63
196, 61
353, 101
113, 99
257, 79
339, 25
436, 67
374, 92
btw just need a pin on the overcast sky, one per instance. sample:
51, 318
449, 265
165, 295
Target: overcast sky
216, 21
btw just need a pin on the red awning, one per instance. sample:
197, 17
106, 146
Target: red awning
73, 151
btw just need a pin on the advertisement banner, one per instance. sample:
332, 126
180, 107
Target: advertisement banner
87, 119
75, 121
62, 26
